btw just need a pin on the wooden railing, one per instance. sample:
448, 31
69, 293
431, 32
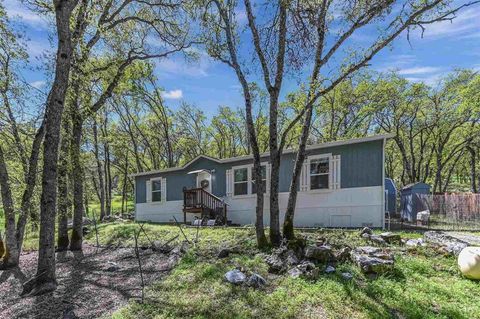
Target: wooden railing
199, 200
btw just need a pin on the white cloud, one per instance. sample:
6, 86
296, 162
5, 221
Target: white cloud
179, 65
419, 70
176, 66
18, 12
38, 84
173, 94
464, 25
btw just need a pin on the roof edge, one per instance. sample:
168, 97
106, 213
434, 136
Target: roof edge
287, 151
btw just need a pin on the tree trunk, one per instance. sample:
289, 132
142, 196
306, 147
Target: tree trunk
292, 198
45, 279
259, 227
63, 191
31, 182
77, 230
106, 163
473, 172
11, 254
101, 185
275, 154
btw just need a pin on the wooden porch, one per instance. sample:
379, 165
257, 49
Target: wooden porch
198, 200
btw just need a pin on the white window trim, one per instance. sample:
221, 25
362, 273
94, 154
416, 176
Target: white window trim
248, 181
323, 190
161, 190
249, 168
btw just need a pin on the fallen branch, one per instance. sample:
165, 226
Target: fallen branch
143, 229
176, 223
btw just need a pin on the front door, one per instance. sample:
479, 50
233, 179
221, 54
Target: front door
204, 180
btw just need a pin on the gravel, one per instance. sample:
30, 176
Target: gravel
84, 283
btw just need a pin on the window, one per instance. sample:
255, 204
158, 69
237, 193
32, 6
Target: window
264, 179
240, 181
319, 173
157, 190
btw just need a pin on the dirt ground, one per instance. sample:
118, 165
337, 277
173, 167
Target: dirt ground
92, 285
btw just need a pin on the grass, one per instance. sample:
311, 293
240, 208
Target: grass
116, 205
423, 284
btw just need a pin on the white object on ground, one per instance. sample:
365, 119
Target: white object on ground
423, 216
469, 262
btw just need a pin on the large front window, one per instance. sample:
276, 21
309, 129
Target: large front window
319, 173
240, 181
157, 190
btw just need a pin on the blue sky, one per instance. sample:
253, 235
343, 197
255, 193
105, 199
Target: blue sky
208, 84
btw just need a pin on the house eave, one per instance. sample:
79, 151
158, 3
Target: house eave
287, 151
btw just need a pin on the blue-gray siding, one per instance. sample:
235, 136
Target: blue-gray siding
361, 166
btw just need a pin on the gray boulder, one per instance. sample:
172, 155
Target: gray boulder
414, 242
290, 258
391, 238
295, 272
329, 269
366, 230
256, 281
275, 264
343, 254
373, 260
378, 240
346, 275
235, 277
451, 242
305, 266
366, 236
319, 253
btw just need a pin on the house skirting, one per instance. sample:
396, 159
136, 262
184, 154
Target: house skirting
346, 207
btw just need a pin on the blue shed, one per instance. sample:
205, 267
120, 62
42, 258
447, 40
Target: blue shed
411, 200
390, 196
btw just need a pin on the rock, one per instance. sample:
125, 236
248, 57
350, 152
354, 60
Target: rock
347, 275
235, 277
295, 272
378, 240
343, 254
291, 259
224, 253
372, 260
305, 266
275, 264
319, 253
414, 242
256, 281
313, 274
366, 236
366, 230
450, 243
329, 269
112, 266
69, 313
469, 262
391, 238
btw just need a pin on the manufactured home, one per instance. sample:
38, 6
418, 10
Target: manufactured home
341, 185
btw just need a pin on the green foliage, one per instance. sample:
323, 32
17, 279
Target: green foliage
423, 284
